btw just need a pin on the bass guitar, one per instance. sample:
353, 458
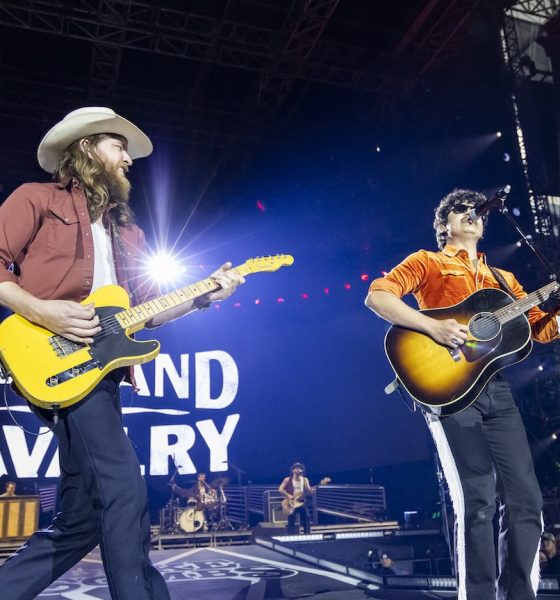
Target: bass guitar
291, 504
53, 372
445, 381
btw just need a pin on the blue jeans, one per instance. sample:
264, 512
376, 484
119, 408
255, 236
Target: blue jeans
104, 501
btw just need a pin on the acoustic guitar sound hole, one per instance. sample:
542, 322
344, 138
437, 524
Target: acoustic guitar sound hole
484, 326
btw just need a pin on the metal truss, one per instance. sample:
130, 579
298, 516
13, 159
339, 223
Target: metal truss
171, 32
538, 11
295, 43
432, 38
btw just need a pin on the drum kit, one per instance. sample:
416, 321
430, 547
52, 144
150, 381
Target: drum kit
188, 512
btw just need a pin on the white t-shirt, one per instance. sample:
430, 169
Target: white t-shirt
103, 264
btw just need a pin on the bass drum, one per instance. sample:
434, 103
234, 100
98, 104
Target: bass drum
191, 520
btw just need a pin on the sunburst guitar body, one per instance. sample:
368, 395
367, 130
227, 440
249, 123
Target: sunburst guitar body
443, 380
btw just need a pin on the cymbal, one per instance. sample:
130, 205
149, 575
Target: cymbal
179, 490
220, 481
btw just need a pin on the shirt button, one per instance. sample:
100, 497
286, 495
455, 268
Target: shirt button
88, 282
66, 220
88, 256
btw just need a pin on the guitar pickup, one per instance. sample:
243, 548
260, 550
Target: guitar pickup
71, 373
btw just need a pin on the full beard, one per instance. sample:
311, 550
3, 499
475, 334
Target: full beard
118, 185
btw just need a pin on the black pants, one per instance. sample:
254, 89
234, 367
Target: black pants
303, 520
485, 455
104, 502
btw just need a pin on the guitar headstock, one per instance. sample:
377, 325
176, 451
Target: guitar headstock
269, 263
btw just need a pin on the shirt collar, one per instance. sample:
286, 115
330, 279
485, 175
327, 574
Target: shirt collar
450, 250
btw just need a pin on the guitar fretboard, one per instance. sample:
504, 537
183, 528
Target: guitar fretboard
521, 306
142, 313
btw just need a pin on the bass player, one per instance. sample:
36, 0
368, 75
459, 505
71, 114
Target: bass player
483, 448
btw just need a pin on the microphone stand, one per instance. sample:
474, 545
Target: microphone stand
552, 275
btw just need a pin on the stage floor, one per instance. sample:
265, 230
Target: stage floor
237, 573
247, 572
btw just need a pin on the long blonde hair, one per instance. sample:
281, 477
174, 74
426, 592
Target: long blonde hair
89, 170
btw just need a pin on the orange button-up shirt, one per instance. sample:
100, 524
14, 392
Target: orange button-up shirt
441, 279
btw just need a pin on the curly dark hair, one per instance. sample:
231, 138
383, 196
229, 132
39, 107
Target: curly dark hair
457, 196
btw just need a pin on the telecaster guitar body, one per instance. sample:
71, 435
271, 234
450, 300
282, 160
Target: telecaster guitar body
51, 370
54, 372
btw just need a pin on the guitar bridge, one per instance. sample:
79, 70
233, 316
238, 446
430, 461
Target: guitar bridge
455, 354
63, 346
54, 380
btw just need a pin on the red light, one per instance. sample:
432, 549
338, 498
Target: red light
347, 286
364, 277
326, 290
280, 300
236, 304
305, 296
261, 206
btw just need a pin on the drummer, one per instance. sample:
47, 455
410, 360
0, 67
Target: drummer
206, 497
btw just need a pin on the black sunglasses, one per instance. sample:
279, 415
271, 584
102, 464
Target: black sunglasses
459, 209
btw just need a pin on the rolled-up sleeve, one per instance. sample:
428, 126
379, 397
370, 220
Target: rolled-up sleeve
20, 217
406, 278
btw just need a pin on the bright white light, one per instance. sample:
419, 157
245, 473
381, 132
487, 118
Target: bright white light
164, 268
498, 134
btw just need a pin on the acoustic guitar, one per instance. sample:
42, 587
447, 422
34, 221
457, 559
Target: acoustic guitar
53, 372
291, 504
444, 381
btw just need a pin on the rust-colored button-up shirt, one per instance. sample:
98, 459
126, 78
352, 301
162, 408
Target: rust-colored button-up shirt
441, 279
45, 232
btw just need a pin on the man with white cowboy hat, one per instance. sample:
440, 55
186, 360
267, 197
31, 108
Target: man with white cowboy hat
59, 241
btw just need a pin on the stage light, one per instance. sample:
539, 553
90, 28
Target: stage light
516, 212
261, 206
506, 157
364, 277
540, 368
519, 243
280, 300
326, 290
378, 148
498, 134
554, 436
164, 268
258, 301
236, 304
384, 273
347, 286
305, 296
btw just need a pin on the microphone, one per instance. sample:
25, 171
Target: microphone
496, 201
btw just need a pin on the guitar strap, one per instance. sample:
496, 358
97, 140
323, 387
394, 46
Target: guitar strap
503, 283
121, 257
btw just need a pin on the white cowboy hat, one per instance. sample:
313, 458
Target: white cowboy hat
89, 121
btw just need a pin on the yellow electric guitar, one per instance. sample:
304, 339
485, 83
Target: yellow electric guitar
54, 372
291, 504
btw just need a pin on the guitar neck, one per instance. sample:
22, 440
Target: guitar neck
137, 316
521, 306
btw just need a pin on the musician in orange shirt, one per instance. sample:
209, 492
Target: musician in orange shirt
483, 448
